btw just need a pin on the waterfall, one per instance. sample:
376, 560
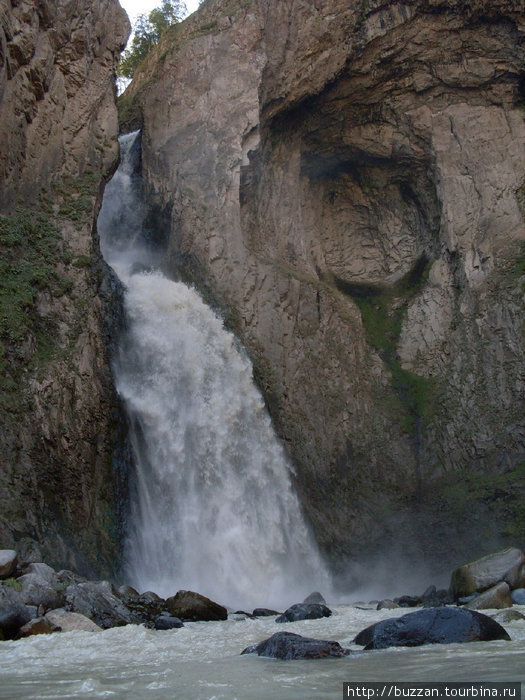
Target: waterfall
213, 508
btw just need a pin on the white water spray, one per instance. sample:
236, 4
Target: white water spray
214, 509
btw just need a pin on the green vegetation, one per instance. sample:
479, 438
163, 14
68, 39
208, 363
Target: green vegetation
500, 493
13, 583
382, 311
146, 34
31, 245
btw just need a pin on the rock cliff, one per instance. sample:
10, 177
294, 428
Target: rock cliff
344, 179
58, 128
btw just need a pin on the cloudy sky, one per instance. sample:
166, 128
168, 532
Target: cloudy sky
142, 7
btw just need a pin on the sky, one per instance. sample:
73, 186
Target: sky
142, 7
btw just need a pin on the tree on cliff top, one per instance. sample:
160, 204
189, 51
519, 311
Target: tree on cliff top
146, 34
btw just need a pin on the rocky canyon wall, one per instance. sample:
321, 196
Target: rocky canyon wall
58, 129
344, 179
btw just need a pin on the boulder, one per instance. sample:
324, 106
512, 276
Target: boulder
97, 602
508, 615
496, 597
13, 612
387, 604
146, 607
518, 596
431, 626
41, 587
192, 606
167, 622
286, 645
315, 597
239, 615
40, 625
481, 574
304, 611
433, 598
66, 577
408, 601
70, 621
264, 612
8, 562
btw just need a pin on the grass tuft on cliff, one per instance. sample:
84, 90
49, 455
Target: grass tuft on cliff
31, 244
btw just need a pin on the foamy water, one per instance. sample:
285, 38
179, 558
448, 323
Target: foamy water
212, 506
202, 661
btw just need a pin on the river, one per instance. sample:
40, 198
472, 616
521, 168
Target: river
202, 661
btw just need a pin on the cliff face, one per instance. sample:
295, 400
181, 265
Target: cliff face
58, 128
345, 180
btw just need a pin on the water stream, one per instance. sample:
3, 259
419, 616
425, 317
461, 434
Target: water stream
202, 661
214, 509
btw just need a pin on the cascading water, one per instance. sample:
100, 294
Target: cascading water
214, 509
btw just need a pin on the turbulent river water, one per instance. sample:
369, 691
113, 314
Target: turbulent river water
202, 662
214, 511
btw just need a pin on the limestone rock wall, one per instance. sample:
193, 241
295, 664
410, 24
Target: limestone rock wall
58, 129
345, 180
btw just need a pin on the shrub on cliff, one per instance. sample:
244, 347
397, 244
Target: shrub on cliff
146, 34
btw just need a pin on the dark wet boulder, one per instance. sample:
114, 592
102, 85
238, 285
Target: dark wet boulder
518, 596
304, 611
486, 572
433, 598
315, 597
96, 601
8, 562
497, 597
286, 645
264, 612
146, 607
195, 607
408, 601
387, 604
167, 622
13, 612
431, 626
240, 615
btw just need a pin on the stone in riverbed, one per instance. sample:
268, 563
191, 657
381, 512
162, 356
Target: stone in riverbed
304, 611
518, 596
286, 645
40, 625
408, 601
195, 607
443, 625
167, 622
264, 612
315, 597
70, 621
8, 562
41, 587
496, 597
484, 573
508, 615
97, 602
387, 604
146, 607
433, 598
13, 613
